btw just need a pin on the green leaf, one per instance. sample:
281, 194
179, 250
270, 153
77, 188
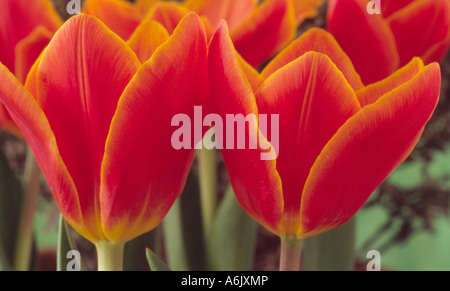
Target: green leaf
183, 230
155, 263
134, 259
11, 196
231, 244
65, 245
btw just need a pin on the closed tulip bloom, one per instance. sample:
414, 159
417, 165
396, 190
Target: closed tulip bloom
338, 140
99, 124
258, 30
378, 44
26, 27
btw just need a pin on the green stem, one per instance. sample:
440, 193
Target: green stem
291, 252
109, 256
25, 230
208, 192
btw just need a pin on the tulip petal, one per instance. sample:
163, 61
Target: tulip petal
233, 11
268, 29
320, 41
29, 49
7, 123
140, 183
256, 182
306, 9
145, 5
365, 151
168, 14
253, 76
435, 52
35, 127
419, 26
371, 93
80, 78
120, 16
18, 18
367, 39
313, 100
147, 38
390, 7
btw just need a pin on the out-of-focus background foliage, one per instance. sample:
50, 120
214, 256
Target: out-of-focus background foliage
406, 219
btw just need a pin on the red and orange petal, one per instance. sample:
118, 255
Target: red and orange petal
78, 91
269, 28
392, 6
120, 16
371, 93
7, 123
367, 39
28, 50
313, 100
233, 11
147, 37
168, 14
140, 183
256, 182
419, 26
365, 151
306, 9
36, 129
19, 18
320, 41
145, 5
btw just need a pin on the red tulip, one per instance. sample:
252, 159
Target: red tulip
99, 123
337, 140
258, 31
26, 27
378, 44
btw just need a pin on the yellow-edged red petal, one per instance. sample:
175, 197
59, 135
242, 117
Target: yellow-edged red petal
320, 41
253, 76
142, 172
19, 18
313, 100
366, 38
419, 26
233, 11
371, 93
268, 29
28, 50
147, 38
365, 151
391, 6
7, 123
256, 182
120, 16
306, 9
168, 14
32, 122
79, 80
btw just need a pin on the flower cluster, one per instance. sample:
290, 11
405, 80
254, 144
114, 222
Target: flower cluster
95, 97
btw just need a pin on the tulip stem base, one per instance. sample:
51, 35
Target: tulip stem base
110, 256
208, 191
291, 252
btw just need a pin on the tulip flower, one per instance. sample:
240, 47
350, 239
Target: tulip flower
26, 27
99, 124
338, 140
258, 30
378, 44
